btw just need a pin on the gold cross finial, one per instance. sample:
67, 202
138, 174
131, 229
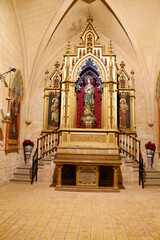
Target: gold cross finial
68, 49
90, 18
122, 64
57, 65
110, 48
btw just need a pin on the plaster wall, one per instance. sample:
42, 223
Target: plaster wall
11, 55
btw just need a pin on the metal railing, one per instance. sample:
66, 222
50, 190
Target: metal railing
45, 145
131, 147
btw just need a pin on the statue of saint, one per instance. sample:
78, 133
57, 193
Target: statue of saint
89, 97
88, 120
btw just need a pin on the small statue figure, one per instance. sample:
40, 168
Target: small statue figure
89, 97
88, 120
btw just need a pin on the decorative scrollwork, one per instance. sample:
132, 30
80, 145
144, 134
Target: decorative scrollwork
87, 175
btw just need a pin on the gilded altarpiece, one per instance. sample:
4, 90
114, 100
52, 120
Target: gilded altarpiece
96, 96
88, 133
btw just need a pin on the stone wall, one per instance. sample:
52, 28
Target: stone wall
8, 164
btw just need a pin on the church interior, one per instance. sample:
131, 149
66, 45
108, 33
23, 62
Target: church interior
80, 119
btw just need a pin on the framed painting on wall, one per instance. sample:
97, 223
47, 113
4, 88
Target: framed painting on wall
14, 110
124, 110
158, 101
53, 110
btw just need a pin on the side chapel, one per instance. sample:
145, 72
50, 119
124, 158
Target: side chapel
88, 101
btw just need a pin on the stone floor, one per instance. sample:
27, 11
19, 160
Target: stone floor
39, 212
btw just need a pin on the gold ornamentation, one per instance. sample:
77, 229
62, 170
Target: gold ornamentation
88, 138
110, 138
64, 137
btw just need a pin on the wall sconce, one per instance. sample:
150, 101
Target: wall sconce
3, 75
6, 118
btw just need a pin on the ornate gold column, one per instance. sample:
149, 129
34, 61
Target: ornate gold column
132, 99
67, 85
59, 179
115, 178
112, 88
45, 112
111, 105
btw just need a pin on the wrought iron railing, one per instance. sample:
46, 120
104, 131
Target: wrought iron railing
131, 147
45, 145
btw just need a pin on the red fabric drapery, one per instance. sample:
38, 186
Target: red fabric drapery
97, 106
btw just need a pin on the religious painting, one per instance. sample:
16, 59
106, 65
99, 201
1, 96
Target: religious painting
54, 110
124, 110
14, 109
158, 101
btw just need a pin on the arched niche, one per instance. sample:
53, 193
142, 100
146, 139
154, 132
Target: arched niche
92, 66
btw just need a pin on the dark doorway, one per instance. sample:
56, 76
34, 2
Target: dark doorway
105, 176
69, 175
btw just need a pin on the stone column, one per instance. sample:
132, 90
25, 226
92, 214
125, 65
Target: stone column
59, 179
115, 178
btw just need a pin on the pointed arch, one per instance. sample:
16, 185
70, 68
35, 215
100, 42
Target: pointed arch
82, 62
119, 13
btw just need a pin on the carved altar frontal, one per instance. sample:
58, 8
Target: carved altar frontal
82, 137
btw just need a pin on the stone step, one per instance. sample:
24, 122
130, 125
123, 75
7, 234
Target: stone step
152, 175
24, 167
152, 184
20, 180
23, 170
47, 160
21, 176
152, 180
152, 169
40, 164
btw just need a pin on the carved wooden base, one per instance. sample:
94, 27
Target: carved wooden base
90, 160
90, 174
86, 189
